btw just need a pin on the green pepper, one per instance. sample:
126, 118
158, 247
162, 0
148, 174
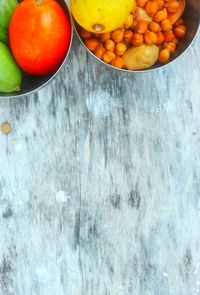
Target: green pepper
7, 8
3, 35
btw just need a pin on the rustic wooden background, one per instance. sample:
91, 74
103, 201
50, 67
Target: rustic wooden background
100, 182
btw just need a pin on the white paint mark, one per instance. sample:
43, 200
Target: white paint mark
197, 269
62, 197
41, 275
165, 274
18, 147
169, 106
100, 103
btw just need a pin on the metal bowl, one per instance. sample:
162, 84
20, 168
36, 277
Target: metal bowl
31, 83
192, 20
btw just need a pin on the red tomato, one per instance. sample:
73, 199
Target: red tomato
40, 34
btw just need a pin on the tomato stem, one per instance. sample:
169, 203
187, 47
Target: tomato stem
39, 2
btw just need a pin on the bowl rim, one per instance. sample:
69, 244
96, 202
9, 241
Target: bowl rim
9, 95
162, 66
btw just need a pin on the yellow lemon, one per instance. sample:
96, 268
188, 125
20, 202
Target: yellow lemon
101, 16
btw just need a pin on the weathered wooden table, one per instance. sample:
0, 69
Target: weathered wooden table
100, 182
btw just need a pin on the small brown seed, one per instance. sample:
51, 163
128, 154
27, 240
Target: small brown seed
5, 128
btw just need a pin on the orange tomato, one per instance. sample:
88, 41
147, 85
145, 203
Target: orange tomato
40, 34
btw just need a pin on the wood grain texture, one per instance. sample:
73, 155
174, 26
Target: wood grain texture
100, 183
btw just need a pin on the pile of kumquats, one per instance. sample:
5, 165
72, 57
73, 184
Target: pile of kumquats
151, 22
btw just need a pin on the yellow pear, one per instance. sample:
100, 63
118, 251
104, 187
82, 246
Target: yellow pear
101, 16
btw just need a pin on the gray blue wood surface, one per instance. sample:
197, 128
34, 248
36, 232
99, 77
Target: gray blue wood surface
100, 182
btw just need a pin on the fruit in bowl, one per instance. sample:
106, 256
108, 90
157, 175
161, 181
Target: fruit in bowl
6, 9
149, 35
100, 16
37, 34
10, 74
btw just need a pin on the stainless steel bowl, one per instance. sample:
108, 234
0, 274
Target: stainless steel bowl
192, 20
31, 83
